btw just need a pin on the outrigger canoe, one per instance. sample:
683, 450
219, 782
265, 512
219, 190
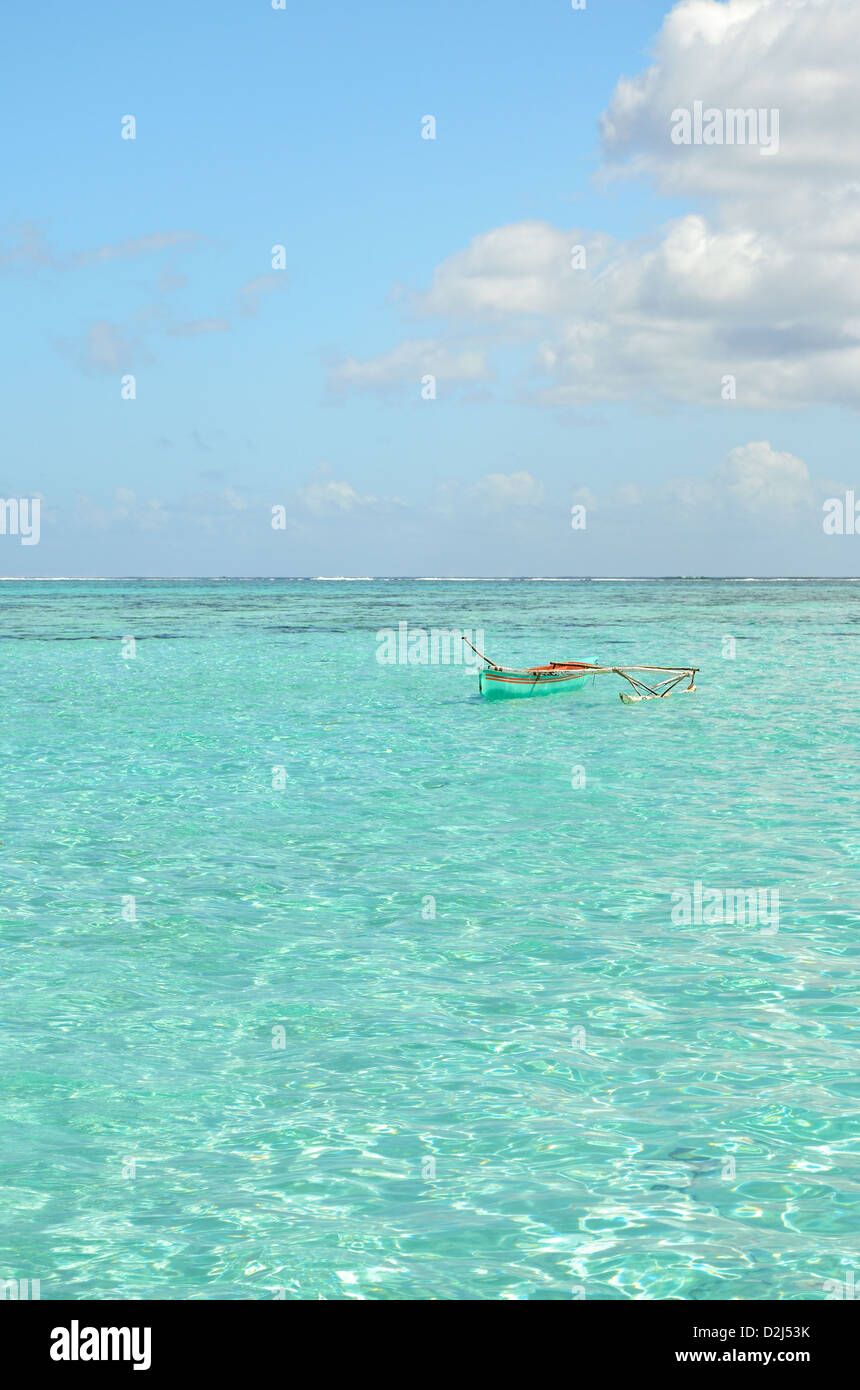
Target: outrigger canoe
510, 682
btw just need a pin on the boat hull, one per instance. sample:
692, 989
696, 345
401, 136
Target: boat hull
525, 685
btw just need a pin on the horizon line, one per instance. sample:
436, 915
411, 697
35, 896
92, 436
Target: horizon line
415, 578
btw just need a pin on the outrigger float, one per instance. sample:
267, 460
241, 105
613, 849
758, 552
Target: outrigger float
509, 682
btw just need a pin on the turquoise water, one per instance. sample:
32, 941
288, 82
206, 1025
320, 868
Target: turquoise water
549, 1088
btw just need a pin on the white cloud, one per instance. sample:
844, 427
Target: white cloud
496, 490
142, 515
322, 494
753, 480
760, 478
151, 244
512, 270
108, 347
799, 57
330, 496
762, 283
672, 317
410, 363
251, 293
31, 249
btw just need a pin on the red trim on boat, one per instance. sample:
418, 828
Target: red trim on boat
570, 671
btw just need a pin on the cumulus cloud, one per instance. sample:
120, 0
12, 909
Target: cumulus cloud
330, 495
754, 484
754, 480
511, 270
758, 478
757, 511
800, 58
762, 283
324, 495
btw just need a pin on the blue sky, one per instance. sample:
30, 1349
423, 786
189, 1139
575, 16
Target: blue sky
255, 388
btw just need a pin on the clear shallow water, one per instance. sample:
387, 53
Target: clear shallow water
698, 1140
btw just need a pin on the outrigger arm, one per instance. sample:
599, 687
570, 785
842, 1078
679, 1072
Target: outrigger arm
660, 689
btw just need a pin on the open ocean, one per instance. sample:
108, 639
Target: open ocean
412, 1017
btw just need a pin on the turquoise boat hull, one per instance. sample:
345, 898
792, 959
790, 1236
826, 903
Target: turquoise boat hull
524, 685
